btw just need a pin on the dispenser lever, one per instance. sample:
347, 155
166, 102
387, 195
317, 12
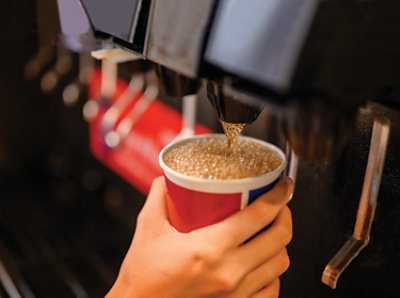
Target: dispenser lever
293, 164
367, 204
189, 116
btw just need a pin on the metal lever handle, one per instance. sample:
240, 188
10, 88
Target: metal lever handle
109, 76
72, 91
38, 62
63, 65
115, 137
114, 112
189, 116
367, 204
292, 167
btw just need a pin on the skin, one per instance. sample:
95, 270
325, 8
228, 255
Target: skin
215, 261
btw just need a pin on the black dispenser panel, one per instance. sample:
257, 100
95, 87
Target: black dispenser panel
117, 18
260, 40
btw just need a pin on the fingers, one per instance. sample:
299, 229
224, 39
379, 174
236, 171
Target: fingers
267, 244
265, 274
270, 291
247, 222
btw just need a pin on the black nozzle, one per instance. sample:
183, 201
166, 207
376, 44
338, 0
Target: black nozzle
231, 105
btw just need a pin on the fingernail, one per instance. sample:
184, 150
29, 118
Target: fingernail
290, 197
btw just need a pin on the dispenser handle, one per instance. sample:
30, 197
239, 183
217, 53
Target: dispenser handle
367, 204
189, 103
72, 92
117, 136
116, 109
372, 179
53, 76
292, 167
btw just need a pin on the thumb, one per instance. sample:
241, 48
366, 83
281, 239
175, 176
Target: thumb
154, 210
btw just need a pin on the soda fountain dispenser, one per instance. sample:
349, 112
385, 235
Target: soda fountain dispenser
309, 61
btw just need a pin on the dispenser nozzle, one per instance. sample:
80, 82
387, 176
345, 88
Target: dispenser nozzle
232, 106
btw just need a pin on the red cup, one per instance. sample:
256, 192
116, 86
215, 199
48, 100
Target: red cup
194, 202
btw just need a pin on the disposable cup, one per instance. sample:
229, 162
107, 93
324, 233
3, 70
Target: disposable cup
194, 202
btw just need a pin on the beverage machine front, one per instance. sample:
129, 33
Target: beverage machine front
325, 69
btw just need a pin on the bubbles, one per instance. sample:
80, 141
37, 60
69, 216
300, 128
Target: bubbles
210, 158
232, 131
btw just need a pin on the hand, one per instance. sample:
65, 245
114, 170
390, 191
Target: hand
211, 261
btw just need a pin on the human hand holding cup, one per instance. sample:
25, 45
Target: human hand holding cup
231, 257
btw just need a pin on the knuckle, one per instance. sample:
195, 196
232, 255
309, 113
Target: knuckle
288, 214
285, 229
286, 235
206, 259
226, 282
284, 262
205, 255
262, 210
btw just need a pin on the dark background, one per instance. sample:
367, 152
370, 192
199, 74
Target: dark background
66, 221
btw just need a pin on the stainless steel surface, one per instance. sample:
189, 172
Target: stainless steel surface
10, 276
292, 166
115, 110
109, 77
38, 62
74, 91
341, 260
372, 180
118, 135
62, 66
189, 107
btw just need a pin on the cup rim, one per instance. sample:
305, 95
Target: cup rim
221, 182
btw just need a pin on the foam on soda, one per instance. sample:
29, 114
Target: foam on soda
211, 158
